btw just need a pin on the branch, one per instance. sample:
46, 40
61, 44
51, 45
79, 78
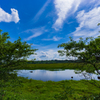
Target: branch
96, 69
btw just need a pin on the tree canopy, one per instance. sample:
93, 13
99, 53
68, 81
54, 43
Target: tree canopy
10, 53
87, 51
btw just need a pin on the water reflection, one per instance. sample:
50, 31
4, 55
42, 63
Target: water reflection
46, 75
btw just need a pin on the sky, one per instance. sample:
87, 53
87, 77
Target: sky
47, 23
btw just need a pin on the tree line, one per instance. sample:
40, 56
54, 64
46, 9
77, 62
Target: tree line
53, 61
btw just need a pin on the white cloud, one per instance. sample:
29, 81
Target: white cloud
47, 55
89, 19
41, 11
6, 17
50, 54
54, 39
63, 9
88, 23
36, 32
97, 2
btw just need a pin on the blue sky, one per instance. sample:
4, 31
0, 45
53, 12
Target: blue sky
47, 23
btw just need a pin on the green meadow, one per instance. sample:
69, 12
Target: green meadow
20, 88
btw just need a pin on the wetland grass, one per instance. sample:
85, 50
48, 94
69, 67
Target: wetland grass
20, 88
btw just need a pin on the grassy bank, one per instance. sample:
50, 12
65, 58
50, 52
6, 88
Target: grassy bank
18, 88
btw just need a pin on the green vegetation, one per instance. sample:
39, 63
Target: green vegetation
19, 88
11, 53
53, 61
77, 66
87, 51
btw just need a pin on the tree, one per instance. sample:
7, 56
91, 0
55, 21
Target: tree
86, 51
11, 53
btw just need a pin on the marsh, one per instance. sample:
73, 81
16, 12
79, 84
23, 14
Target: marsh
56, 75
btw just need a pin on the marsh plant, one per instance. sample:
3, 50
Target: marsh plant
91, 97
65, 94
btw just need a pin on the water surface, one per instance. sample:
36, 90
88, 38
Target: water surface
59, 75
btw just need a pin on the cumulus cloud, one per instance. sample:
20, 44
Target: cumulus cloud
54, 39
49, 54
36, 32
46, 55
63, 9
88, 23
6, 17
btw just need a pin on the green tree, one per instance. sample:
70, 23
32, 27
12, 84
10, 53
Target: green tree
11, 53
87, 51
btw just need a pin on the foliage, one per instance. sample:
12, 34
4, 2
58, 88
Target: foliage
29, 89
98, 24
10, 53
64, 95
86, 51
91, 97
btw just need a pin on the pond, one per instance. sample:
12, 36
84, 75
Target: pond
55, 75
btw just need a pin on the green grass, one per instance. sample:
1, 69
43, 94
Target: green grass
19, 88
27, 89
76, 66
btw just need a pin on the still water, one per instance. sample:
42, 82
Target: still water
56, 75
